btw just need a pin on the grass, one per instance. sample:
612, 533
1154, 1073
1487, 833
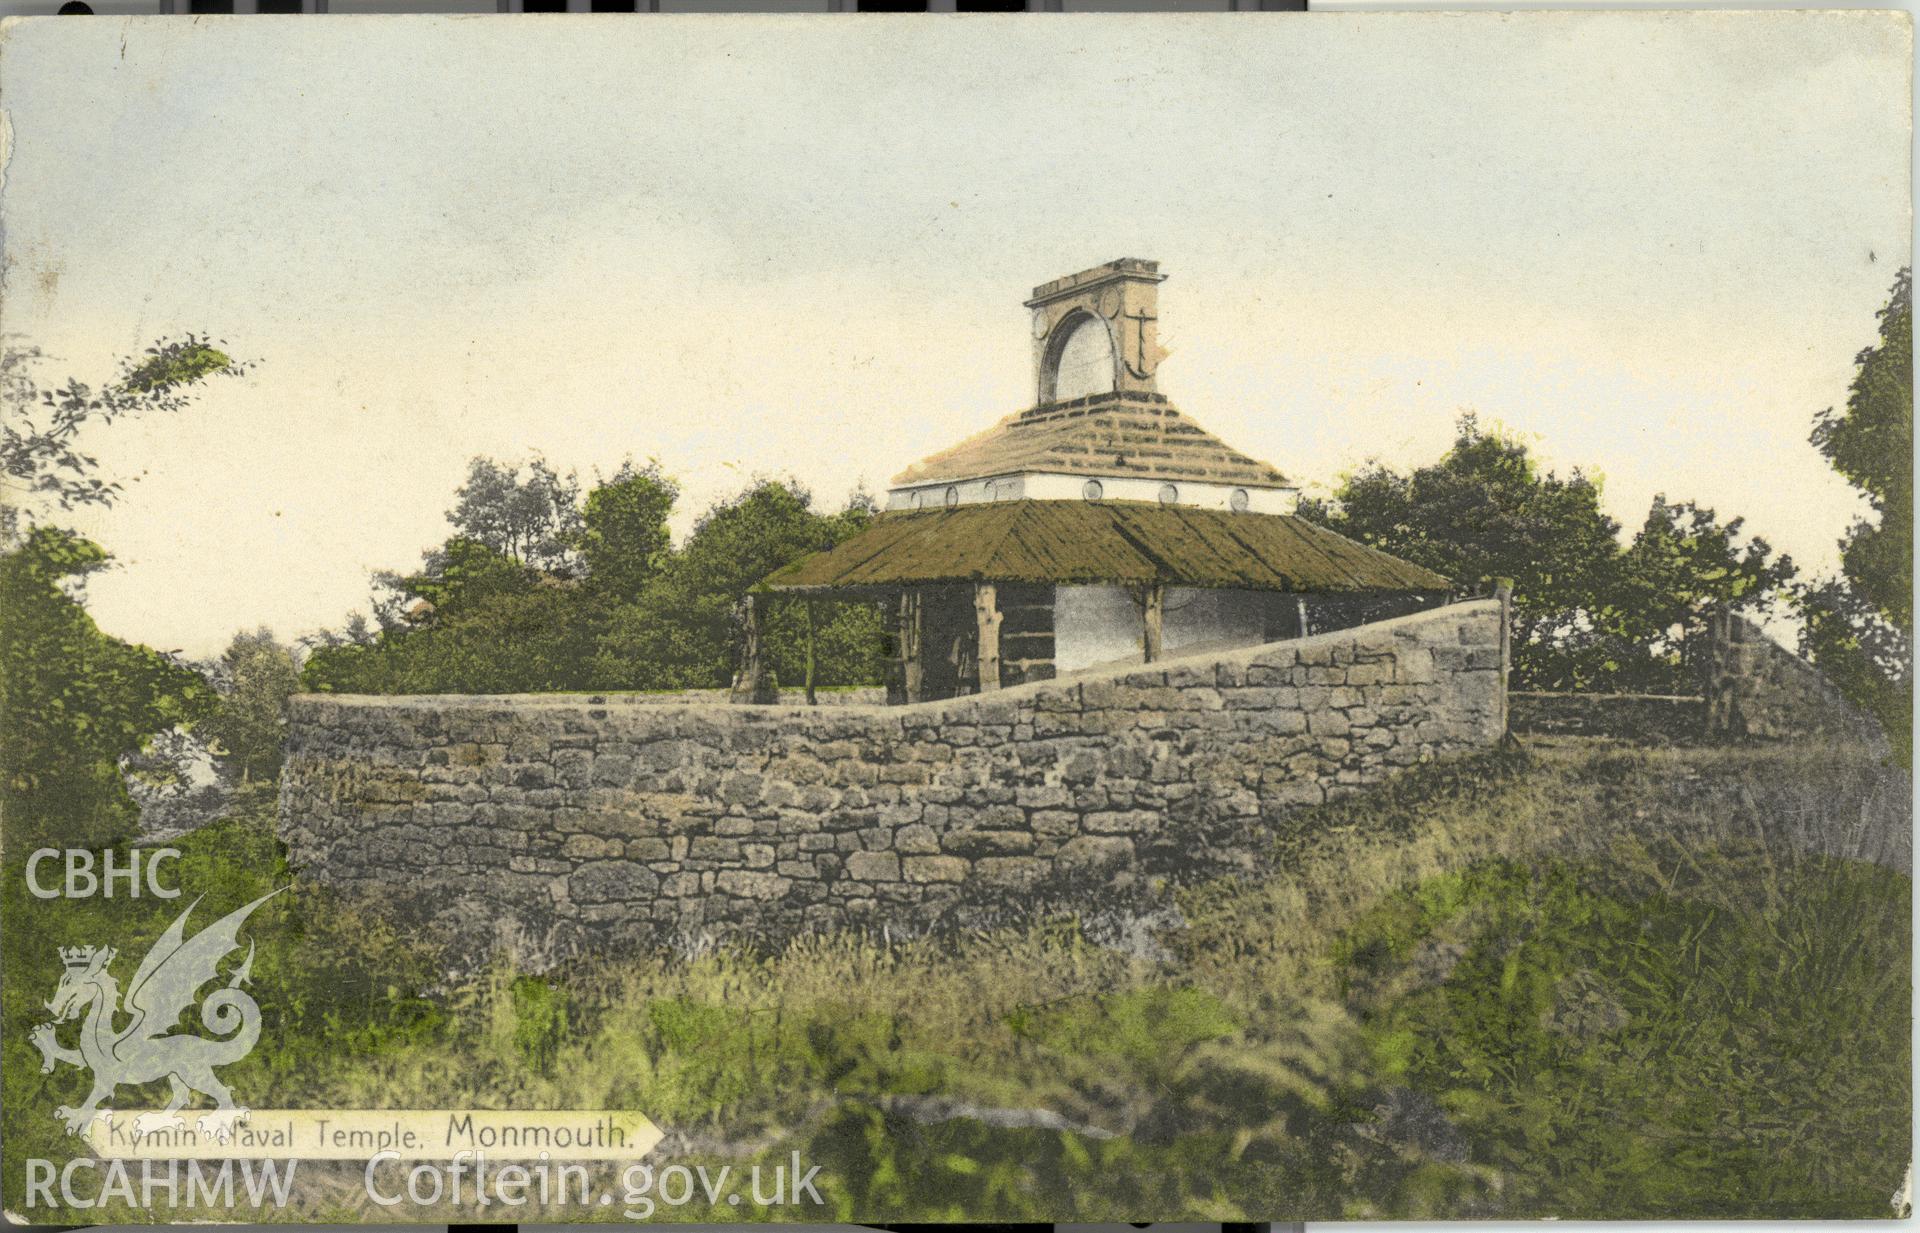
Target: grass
1584, 979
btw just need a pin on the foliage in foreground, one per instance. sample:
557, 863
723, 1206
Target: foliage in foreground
74, 701
1587, 980
1612, 1047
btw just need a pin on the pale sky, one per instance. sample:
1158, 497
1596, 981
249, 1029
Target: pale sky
1649, 243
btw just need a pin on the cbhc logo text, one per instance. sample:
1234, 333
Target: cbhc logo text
89, 873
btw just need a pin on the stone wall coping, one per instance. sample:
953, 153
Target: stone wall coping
1603, 697
1012, 693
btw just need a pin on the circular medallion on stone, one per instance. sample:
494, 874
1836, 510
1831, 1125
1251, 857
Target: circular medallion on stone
1239, 500
1169, 494
1092, 490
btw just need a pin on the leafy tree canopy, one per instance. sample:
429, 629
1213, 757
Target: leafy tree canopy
75, 700
1682, 564
40, 459
680, 634
610, 603
254, 677
461, 574
1871, 443
1859, 627
623, 535
531, 519
1588, 613
1484, 510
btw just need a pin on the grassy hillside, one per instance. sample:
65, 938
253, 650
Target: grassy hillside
1578, 980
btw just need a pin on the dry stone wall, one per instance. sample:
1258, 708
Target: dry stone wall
1756, 688
1635, 717
553, 823
1753, 689
830, 695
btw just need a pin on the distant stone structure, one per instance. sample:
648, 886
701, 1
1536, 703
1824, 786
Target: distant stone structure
1634, 717
558, 823
1751, 688
1754, 687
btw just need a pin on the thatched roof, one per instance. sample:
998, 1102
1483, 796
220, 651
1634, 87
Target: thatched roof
1102, 542
1103, 434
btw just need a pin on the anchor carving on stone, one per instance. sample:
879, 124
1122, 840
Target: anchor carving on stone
1141, 360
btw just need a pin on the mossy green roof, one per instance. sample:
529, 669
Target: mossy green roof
1102, 542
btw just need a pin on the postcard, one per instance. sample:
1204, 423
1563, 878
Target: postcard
1253, 617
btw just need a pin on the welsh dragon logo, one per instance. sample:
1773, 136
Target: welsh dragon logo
146, 1047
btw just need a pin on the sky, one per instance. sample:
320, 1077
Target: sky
1649, 244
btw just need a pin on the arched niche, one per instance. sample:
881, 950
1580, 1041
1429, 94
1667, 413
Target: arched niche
1081, 359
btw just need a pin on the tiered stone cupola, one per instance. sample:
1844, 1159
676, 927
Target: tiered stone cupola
1100, 428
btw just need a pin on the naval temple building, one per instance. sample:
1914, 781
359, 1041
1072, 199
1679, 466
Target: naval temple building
1082, 539
1099, 527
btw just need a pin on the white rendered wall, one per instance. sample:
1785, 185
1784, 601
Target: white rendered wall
1095, 626
1047, 486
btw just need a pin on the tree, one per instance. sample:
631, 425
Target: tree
1859, 628
532, 521
254, 677
623, 538
74, 700
531, 641
679, 633
494, 609
646, 615
1867, 657
471, 621
1871, 443
846, 642
1588, 614
1682, 565
459, 575
40, 460
1486, 510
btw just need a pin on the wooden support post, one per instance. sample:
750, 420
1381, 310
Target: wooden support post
811, 699
1503, 591
1154, 608
986, 611
750, 683
912, 664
